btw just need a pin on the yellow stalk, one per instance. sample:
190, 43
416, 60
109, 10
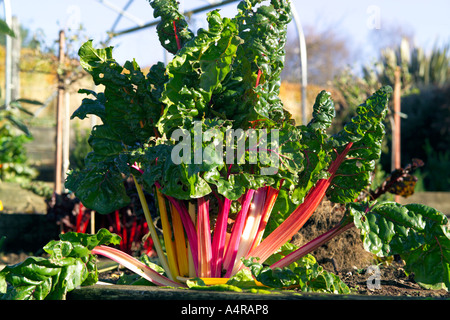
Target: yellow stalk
216, 281
151, 227
167, 233
180, 242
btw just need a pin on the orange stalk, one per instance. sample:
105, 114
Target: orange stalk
300, 215
180, 242
204, 239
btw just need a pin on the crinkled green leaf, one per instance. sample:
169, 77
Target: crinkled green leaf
196, 72
263, 29
307, 276
70, 265
323, 111
365, 131
170, 17
90, 106
130, 107
418, 233
99, 187
369, 114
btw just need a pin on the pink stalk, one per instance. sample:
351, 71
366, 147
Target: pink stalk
135, 266
292, 224
251, 226
233, 244
312, 245
271, 198
300, 215
219, 237
204, 239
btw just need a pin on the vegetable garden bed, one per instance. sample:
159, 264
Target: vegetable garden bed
233, 179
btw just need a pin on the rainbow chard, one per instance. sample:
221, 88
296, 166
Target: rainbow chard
237, 89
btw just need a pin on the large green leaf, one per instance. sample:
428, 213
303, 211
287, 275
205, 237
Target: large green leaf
319, 151
128, 100
99, 186
418, 233
129, 108
365, 131
251, 89
196, 71
70, 265
91, 106
171, 20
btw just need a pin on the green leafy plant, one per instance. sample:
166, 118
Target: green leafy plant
70, 264
14, 134
228, 210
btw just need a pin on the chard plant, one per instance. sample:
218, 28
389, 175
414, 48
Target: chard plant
233, 177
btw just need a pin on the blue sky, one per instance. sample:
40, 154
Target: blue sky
428, 20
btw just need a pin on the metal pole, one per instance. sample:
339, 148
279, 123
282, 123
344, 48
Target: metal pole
66, 138
122, 12
8, 54
59, 119
187, 13
15, 60
303, 61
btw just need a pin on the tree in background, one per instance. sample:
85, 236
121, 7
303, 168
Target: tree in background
425, 104
328, 51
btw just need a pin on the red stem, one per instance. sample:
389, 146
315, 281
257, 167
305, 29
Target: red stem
176, 36
124, 235
117, 221
312, 245
300, 215
258, 77
80, 216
